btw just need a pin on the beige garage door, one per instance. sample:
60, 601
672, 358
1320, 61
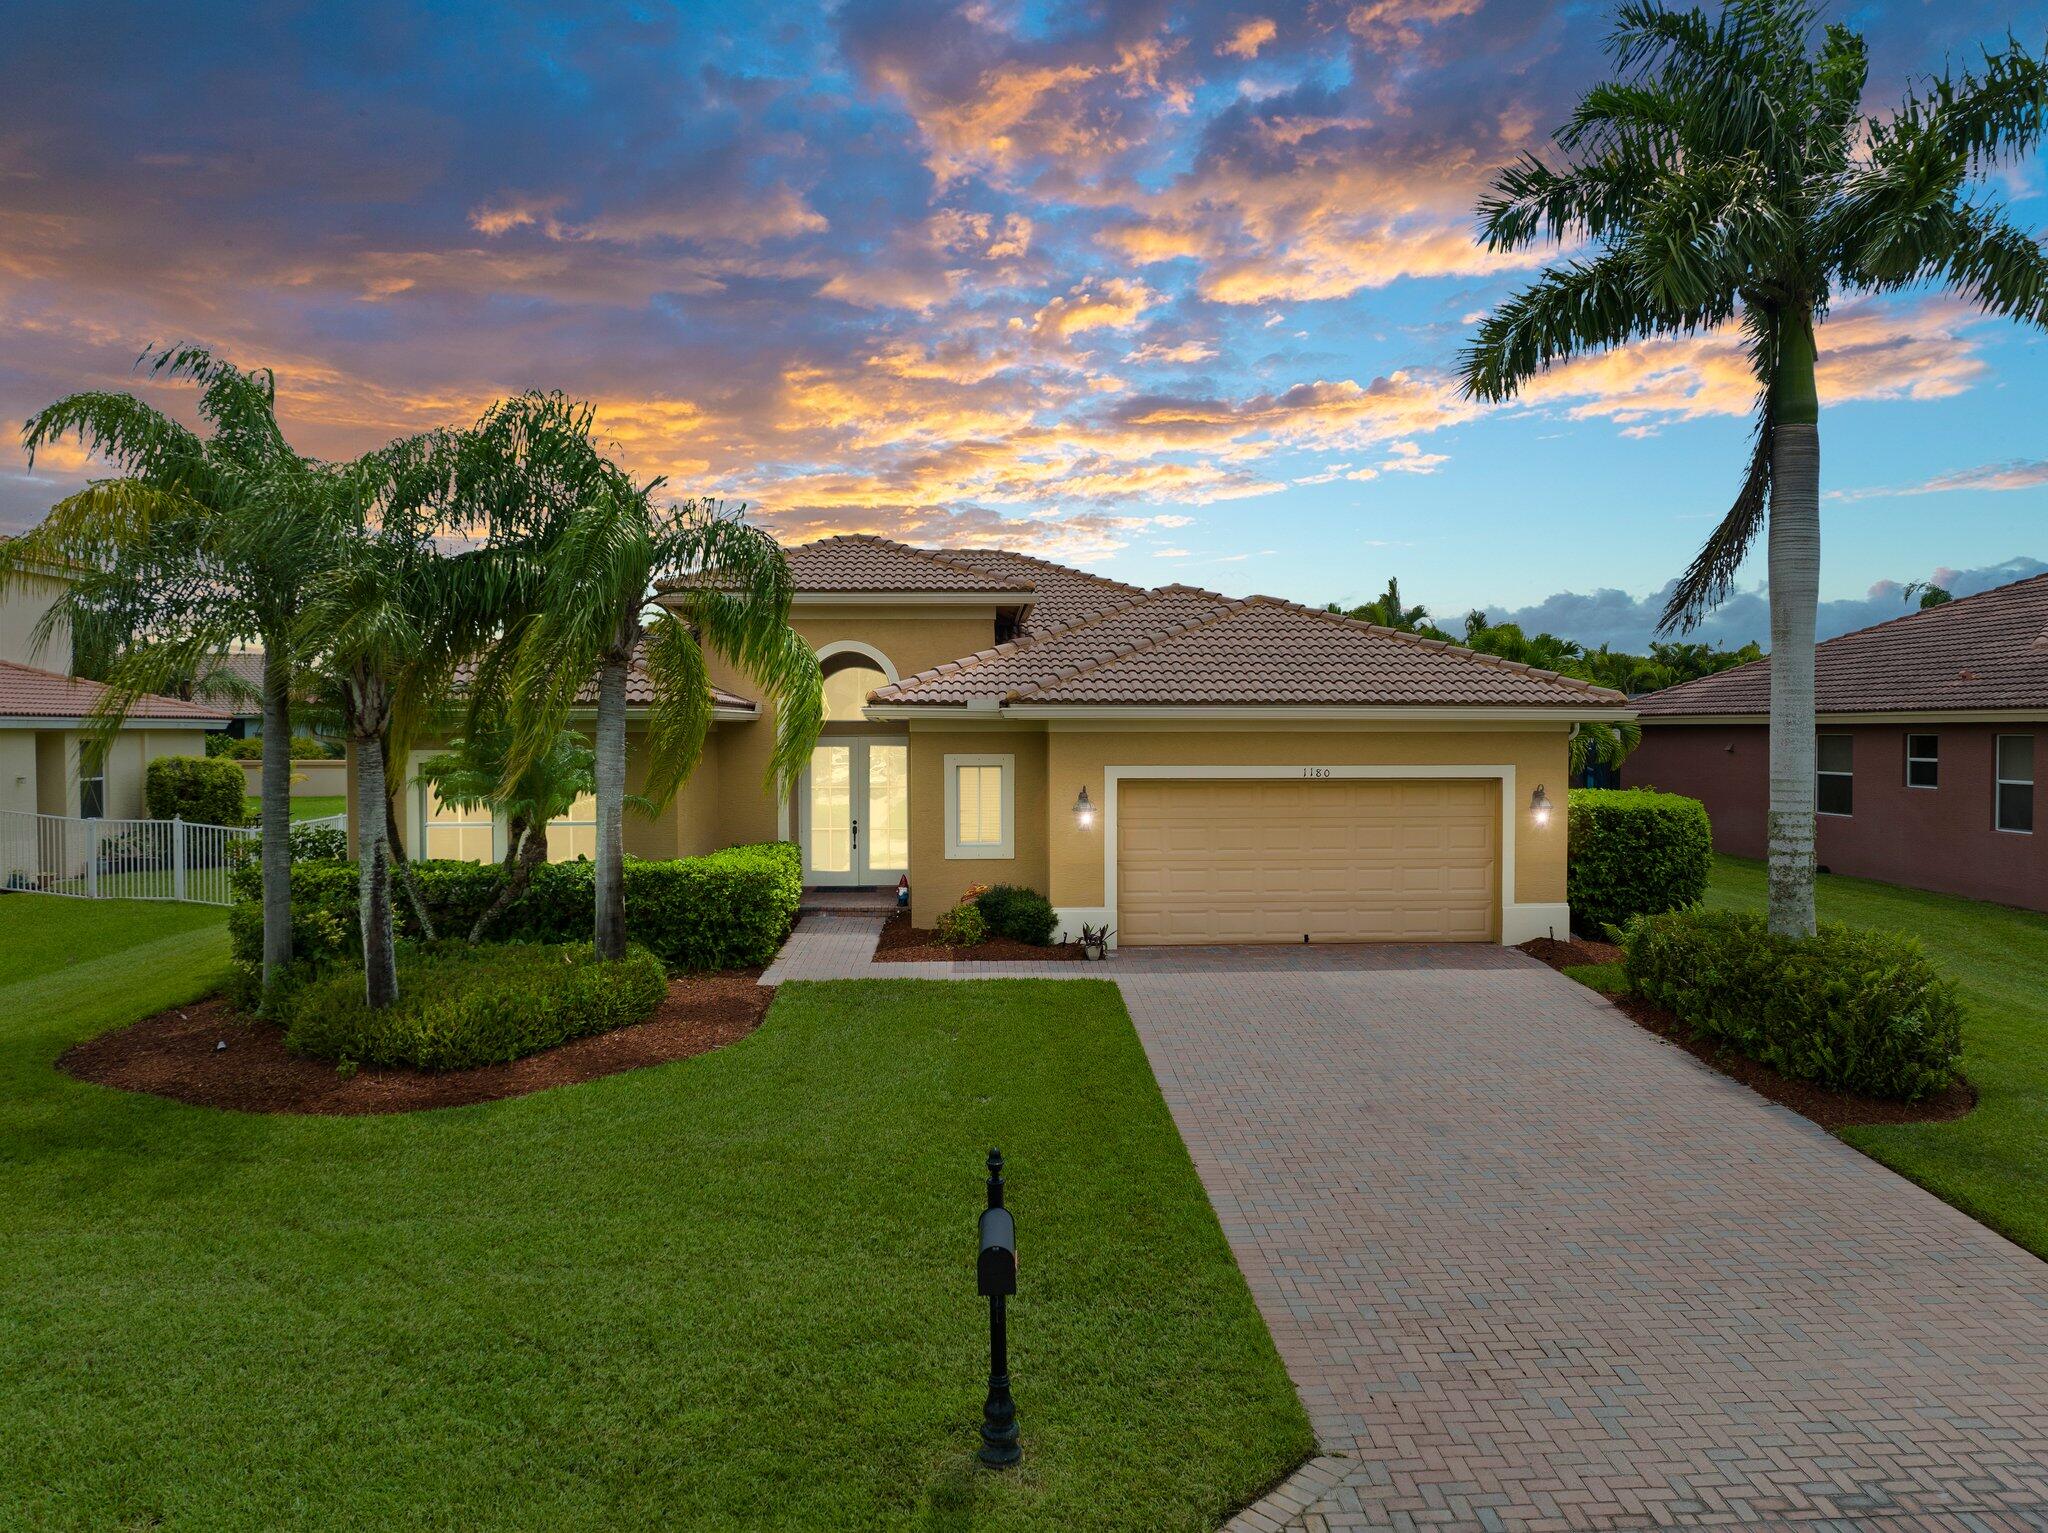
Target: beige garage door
1341, 860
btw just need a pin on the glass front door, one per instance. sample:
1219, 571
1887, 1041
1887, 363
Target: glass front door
855, 804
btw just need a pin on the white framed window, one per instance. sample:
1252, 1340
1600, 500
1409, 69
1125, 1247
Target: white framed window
1923, 761
454, 834
1836, 791
981, 800
92, 795
2015, 789
573, 834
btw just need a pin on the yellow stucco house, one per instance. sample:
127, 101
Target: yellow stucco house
47, 765
1178, 765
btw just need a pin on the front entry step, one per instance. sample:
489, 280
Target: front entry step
847, 902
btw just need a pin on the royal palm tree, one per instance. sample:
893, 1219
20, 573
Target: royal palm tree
194, 544
730, 591
1732, 178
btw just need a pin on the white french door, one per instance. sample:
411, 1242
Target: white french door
855, 805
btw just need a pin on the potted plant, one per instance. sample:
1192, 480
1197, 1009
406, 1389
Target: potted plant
1095, 941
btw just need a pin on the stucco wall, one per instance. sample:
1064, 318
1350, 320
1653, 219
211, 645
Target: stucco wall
18, 770
937, 881
311, 778
20, 610
745, 808
1943, 838
1081, 757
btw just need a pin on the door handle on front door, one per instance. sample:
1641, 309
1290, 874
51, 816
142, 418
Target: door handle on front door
856, 833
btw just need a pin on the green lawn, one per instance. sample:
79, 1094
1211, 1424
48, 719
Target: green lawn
315, 806
1993, 1163
731, 1292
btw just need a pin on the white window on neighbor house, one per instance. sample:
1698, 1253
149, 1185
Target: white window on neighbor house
2015, 790
980, 806
455, 834
1836, 790
92, 793
574, 834
1923, 761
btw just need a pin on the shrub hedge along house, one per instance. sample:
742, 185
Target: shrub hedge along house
1178, 765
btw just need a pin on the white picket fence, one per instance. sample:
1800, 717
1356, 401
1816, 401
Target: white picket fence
125, 859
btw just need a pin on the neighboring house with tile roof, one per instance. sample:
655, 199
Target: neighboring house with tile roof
1177, 764
46, 763
1931, 727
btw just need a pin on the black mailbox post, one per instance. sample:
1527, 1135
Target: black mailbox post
996, 1270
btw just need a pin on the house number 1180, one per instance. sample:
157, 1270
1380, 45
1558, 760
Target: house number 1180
1315, 771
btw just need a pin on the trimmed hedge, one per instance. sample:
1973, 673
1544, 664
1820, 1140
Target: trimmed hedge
1022, 915
203, 789
461, 1006
1635, 852
1860, 1011
728, 910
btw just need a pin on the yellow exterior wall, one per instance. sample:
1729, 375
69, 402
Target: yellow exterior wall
20, 610
18, 770
1078, 757
937, 881
746, 810
56, 773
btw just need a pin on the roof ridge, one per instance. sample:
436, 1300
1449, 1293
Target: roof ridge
1008, 647
1929, 612
1020, 643
1051, 564
1202, 619
1438, 646
929, 555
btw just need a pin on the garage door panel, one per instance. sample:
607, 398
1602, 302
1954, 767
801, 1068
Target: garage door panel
1347, 860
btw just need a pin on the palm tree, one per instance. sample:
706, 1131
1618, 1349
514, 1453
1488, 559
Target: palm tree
195, 544
1732, 177
730, 591
1387, 611
388, 626
471, 774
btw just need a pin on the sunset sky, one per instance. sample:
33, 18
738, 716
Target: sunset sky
1173, 291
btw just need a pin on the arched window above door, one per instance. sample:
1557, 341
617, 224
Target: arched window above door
852, 670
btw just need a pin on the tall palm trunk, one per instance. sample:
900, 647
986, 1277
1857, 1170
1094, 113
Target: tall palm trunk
373, 885
1795, 595
274, 813
611, 803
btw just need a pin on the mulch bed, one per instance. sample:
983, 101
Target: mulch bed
1830, 1109
175, 1054
904, 943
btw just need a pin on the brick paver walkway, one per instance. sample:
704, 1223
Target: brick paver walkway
1531, 1267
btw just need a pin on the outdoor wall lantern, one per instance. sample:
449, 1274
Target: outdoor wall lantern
1539, 807
1084, 810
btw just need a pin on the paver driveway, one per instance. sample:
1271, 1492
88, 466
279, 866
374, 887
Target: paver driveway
1532, 1267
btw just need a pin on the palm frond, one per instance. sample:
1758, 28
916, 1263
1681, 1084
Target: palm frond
679, 715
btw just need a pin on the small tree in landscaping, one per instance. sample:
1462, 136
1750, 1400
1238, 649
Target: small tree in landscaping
472, 774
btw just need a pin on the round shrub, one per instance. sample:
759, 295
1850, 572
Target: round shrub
1022, 915
1861, 1011
463, 1006
961, 926
203, 789
1635, 852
